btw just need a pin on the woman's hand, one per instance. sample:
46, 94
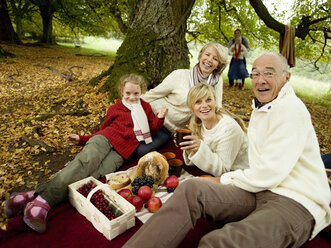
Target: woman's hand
73, 139
163, 112
191, 145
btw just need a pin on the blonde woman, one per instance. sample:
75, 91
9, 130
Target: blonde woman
172, 91
218, 142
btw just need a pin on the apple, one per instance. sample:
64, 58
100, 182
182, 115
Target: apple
125, 193
137, 202
145, 192
171, 183
154, 204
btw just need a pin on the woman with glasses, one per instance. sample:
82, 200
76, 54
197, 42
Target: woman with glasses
238, 71
172, 91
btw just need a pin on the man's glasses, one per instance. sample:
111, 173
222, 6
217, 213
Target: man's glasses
265, 75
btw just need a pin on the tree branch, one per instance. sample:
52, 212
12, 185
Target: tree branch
301, 31
69, 78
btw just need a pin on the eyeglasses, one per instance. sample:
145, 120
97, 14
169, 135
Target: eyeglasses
266, 74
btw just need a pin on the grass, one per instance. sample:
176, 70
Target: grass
85, 51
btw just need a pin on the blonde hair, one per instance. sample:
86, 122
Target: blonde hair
222, 55
134, 79
202, 90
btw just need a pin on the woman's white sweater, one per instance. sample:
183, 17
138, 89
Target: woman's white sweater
223, 148
284, 157
172, 92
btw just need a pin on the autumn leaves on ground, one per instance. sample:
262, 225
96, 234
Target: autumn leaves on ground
39, 107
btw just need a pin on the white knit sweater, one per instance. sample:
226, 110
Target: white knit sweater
284, 157
172, 92
223, 148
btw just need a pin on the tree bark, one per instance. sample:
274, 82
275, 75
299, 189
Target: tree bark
47, 12
7, 32
155, 43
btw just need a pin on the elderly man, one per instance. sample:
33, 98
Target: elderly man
281, 200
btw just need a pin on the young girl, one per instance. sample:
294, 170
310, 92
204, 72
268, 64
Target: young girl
219, 141
238, 71
129, 124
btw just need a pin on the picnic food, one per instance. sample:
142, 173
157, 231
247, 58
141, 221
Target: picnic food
141, 181
137, 202
98, 200
171, 183
119, 181
153, 164
125, 193
154, 204
145, 192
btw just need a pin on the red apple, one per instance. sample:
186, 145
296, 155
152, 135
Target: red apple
126, 193
145, 192
171, 182
137, 202
154, 204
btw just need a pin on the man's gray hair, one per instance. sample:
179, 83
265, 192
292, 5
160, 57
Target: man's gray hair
284, 60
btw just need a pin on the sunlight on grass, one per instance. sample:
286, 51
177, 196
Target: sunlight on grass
87, 51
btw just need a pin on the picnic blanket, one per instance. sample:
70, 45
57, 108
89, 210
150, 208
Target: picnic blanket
67, 228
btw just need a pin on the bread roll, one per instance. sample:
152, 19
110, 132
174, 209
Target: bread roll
119, 181
153, 164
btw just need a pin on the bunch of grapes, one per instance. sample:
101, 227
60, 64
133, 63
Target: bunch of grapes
141, 181
98, 200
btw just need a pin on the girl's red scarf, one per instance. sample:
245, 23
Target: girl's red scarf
236, 51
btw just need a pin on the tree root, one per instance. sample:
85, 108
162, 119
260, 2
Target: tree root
68, 77
34, 142
80, 112
95, 81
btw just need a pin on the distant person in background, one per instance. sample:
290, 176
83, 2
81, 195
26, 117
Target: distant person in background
238, 72
244, 41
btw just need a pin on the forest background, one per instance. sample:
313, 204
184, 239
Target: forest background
51, 85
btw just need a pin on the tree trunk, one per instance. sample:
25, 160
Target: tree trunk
47, 12
7, 32
155, 43
19, 27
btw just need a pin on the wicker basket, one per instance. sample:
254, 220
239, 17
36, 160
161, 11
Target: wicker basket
109, 228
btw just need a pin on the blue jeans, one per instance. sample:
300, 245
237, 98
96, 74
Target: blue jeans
162, 137
327, 160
